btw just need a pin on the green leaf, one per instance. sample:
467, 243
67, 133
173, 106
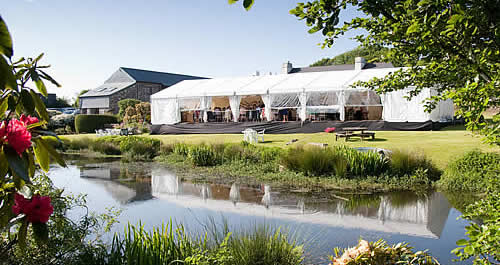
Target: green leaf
27, 101
17, 164
39, 83
54, 154
42, 154
46, 76
455, 18
41, 232
21, 234
232, 1
469, 250
40, 106
462, 242
31, 165
8, 80
247, 4
34, 125
413, 28
4, 166
4, 105
5, 40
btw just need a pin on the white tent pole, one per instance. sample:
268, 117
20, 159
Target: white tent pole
234, 103
342, 105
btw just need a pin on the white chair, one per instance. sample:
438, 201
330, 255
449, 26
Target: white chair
261, 134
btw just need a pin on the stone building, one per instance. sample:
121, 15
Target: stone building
127, 83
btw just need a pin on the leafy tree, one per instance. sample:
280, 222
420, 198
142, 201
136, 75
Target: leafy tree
483, 240
60, 103
450, 45
371, 54
77, 100
124, 104
23, 150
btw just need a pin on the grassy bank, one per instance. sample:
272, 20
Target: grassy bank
440, 146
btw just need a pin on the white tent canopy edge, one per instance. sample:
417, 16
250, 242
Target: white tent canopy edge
318, 90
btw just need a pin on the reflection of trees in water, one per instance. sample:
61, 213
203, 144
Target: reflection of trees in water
356, 202
125, 182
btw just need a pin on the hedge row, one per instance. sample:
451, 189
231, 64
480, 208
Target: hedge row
89, 123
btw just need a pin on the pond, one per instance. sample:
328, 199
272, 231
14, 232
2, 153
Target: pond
154, 194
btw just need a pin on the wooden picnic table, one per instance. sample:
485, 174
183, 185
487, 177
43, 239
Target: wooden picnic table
349, 132
354, 129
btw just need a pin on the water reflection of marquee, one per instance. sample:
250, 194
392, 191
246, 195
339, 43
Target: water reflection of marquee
423, 216
107, 175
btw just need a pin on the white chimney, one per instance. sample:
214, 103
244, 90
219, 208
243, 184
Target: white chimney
286, 68
359, 63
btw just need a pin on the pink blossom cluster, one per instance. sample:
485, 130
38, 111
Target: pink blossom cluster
352, 253
37, 209
16, 134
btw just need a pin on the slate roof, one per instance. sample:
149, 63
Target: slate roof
125, 77
167, 79
340, 67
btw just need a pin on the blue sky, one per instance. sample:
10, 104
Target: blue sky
86, 41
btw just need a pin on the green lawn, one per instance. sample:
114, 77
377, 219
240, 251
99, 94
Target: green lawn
441, 146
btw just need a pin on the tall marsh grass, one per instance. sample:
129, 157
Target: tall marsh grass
263, 245
337, 161
165, 245
173, 245
406, 162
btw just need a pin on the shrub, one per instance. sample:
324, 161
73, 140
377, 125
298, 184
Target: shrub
339, 161
405, 162
203, 155
139, 148
181, 149
78, 143
166, 149
364, 163
262, 245
380, 253
475, 171
124, 104
268, 154
107, 148
232, 152
483, 240
89, 123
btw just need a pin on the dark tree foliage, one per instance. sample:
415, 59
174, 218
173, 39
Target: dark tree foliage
60, 103
450, 45
371, 54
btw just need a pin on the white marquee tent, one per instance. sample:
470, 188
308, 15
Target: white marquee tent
305, 92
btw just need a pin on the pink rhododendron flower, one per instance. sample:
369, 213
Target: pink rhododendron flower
17, 136
37, 210
28, 120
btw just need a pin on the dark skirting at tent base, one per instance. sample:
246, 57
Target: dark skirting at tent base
275, 127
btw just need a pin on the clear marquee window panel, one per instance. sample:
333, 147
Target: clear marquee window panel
285, 101
189, 104
357, 98
323, 98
